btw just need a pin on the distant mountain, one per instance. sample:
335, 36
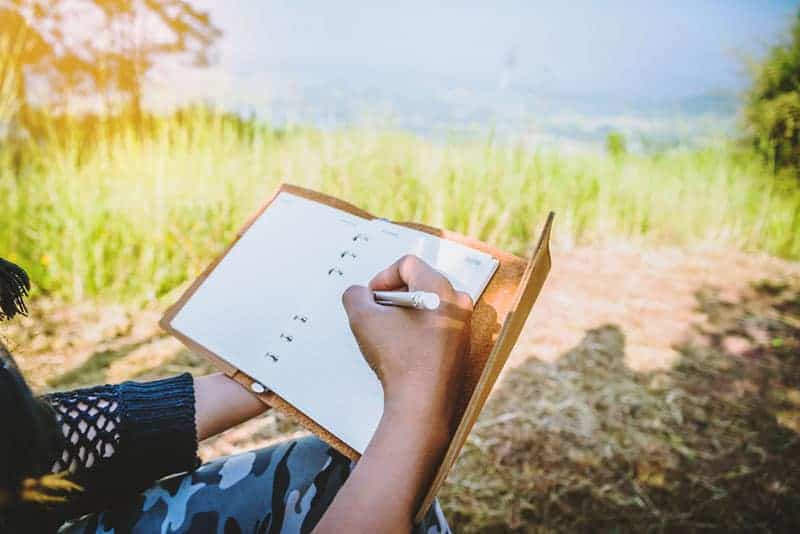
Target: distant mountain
332, 97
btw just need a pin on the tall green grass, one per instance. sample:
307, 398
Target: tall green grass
117, 213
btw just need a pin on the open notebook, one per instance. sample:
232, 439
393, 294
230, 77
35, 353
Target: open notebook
268, 311
272, 306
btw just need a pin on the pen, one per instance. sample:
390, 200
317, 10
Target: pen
419, 300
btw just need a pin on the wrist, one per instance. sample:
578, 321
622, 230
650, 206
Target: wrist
428, 396
419, 417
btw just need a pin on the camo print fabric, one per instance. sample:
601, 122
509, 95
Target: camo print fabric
284, 488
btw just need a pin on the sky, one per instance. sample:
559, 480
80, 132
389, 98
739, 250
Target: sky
572, 69
656, 48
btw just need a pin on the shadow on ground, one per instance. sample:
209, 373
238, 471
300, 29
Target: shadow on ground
584, 444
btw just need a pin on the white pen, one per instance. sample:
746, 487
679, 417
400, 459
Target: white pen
419, 300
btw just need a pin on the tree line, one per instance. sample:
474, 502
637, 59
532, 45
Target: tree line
772, 105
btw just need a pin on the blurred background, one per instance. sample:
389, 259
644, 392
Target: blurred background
662, 74
657, 382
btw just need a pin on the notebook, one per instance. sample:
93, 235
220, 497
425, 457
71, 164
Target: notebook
294, 337
268, 312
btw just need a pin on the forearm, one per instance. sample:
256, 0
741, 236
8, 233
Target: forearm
221, 403
384, 490
417, 356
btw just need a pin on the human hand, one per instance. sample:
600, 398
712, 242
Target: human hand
417, 354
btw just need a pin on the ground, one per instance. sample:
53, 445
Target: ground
651, 389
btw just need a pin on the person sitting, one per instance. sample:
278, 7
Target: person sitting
123, 458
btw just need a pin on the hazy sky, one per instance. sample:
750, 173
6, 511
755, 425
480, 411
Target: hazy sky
665, 49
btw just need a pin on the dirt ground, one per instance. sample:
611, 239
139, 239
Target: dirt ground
649, 293
622, 338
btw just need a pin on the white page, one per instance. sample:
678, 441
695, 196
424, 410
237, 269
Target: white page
467, 269
270, 275
278, 292
350, 399
264, 277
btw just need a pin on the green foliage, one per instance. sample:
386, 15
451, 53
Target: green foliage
615, 144
772, 110
124, 212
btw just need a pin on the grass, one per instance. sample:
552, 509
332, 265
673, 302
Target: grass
586, 445
105, 210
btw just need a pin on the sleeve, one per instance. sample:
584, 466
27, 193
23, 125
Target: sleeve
160, 435
118, 439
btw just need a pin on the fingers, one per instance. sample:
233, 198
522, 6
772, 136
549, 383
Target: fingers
411, 272
389, 278
355, 297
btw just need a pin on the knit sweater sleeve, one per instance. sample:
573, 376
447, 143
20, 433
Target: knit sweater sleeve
118, 439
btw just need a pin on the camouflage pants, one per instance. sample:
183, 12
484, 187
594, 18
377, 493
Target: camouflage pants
283, 488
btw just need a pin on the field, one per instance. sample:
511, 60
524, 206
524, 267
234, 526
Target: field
110, 211
656, 386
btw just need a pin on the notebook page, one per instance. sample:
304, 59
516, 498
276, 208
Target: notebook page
349, 400
267, 275
467, 269
321, 370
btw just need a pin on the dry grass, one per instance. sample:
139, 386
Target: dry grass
585, 444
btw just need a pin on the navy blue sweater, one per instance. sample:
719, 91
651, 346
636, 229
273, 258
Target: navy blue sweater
118, 440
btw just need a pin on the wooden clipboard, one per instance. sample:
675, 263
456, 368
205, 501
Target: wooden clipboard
497, 321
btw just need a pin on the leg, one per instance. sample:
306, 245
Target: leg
283, 488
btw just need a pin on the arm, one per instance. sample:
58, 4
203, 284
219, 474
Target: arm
119, 438
418, 358
163, 419
221, 403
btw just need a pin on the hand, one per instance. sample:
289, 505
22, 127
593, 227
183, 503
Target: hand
417, 354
